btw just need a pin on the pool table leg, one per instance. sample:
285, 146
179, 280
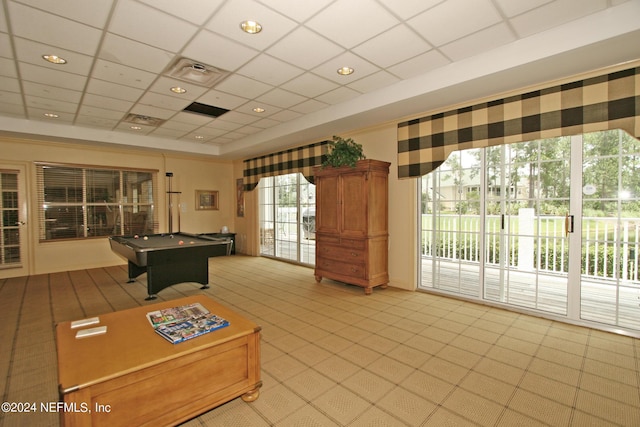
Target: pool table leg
204, 287
151, 297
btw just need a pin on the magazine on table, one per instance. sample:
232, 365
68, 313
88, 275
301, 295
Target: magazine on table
177, 324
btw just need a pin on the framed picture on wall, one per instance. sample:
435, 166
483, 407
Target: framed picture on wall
206, 200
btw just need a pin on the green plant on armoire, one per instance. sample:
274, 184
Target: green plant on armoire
343, 152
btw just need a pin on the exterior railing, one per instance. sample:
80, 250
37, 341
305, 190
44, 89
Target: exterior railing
610, 246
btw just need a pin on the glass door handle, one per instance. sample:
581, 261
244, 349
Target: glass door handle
568, 224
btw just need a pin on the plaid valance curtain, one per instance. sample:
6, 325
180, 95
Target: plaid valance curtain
301, 159
610, 101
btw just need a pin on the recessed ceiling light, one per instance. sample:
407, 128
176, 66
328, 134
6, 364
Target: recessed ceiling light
345, 71
199, 137
178, 89
51, 115
54, 59
136, 127
251, 27
259, 110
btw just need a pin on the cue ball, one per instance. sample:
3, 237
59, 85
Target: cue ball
181, 242
145, 238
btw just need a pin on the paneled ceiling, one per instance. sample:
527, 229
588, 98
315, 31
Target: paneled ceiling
281, 86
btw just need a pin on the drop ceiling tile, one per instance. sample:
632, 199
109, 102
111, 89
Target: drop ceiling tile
266, 123
270, 70
3, 21
51, 105
7, 68
309, 106
222, 100
243, 86
392, 47
208, 131
193, 119
406, 9
12, 110
296, 9
249, 130
479, 42
10, 84
454, 19
227, 22
285, 116
512, 8
44, 75
152, 111
164, 101
94, 12
150, 26
197, 12
164, 84
305, 49
240, 118
167, 132
554, 14
127, 52
113, 90
419, 65
281, 98
47, 91
215, 50
12, 98
31, 52
76, 37
223, 125
374, 81
106, 102
91, 111
310, 85
116, 73
5, 46
343, 21
228, 137
329, 69
179, 126
338, 95
99, 122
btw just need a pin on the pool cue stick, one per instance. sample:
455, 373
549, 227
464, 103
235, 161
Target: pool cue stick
170, 175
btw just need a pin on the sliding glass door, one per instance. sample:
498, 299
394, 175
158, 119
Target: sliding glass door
551, 226
287, 218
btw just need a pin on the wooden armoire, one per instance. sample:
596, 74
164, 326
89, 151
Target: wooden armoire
352, 224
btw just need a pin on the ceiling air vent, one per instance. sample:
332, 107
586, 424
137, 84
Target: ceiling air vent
139, 119
195, 72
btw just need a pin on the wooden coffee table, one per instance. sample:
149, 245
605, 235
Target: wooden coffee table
133, 376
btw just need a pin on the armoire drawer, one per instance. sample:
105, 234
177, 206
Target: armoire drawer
341, 253
356, 270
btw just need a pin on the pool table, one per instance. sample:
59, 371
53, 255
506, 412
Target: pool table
169, 259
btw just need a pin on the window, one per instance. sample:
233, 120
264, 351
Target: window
77, 202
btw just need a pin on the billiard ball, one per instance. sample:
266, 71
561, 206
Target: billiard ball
136, 237
181, 242
146, 237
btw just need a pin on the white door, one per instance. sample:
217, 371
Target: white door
13, 221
